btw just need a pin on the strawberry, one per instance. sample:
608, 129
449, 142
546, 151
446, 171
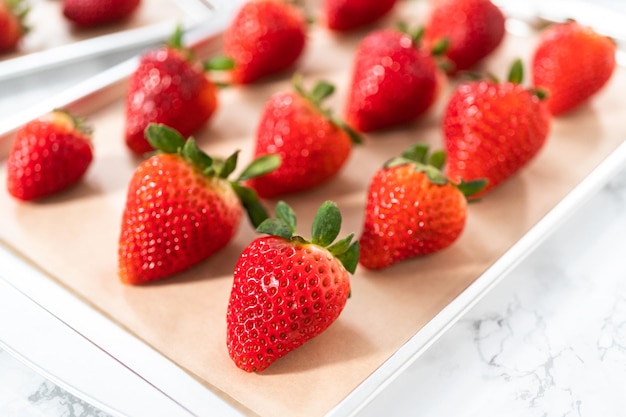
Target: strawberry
412, 209
181, 208
169, 87
346, 15
492, 130
12, 28
473, 29
313, 144
287, 290
265, 37
394, 81
48, 155
90, 13
572, 63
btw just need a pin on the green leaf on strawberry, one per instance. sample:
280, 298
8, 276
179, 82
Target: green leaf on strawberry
167, 140
320, 92
325, 229
432, 164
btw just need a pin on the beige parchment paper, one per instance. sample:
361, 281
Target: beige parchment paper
73, 237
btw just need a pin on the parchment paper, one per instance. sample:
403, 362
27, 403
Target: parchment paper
73, 237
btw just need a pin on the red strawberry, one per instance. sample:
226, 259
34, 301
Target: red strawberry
312, 144
168, 87
265, 37
491, 130
473, 30
345, 15
12, 28
572, 63
181, 208
394, 81
412, 209
48, 155
287, 290
90, 13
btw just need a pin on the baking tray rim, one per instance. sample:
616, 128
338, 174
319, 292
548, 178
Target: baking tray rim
407, 354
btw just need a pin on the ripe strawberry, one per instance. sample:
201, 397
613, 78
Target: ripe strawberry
287, 290
394, 81
313, 145
265, 37
12, 28
473, 29
572, 63
412, 209
168, 87
89, 13
491, 130
345, 15
48, 155
181, 208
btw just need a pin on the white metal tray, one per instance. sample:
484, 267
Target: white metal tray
84, 326
40, 52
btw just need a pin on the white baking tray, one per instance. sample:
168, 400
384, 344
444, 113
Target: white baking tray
81, 328
41, 58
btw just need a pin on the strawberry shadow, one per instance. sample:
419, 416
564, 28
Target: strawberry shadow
219, 265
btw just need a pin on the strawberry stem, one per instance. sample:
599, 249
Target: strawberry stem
219, 63
469, 188
167, 140
260, 166
20, 9
431, 164
176, 38
164, 138
325, 229
321, 91
516, 73
326, 224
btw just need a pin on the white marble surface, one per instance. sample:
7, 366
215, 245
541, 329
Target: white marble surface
549, 340
25, 393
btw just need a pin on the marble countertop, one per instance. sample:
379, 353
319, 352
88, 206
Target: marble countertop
548, 340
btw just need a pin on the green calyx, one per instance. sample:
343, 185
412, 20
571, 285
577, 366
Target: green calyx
320, 92
516, 76
80, 123
167, 140
431, 164
19, 9
217, 63
516, 72
176, 38
325, 229
416, 34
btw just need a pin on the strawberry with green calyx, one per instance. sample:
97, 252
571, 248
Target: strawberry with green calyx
313, 144
394, 80
347, 15
287, 290
473, 29
265, 38
181, 208
92, 13
572, 63
48, 155
12, 27
493, 129
412, 209
169, 87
